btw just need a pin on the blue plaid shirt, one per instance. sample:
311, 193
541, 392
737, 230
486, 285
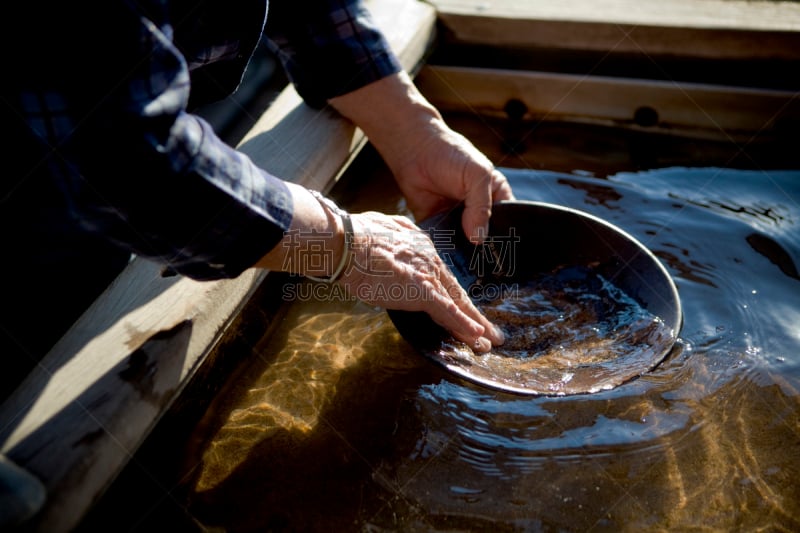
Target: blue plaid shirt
99, 107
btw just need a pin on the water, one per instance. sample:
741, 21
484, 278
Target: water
338, 425
570, 331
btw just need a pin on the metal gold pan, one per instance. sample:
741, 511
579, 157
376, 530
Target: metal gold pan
526, 241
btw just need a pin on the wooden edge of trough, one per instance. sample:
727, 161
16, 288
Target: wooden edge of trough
80, 416
674, 108
713, 29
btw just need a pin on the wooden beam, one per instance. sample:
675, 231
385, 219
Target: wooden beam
712, 29
683, 109
81, 415
767, 15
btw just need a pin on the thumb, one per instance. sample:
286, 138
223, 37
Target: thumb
477, 210
478, 205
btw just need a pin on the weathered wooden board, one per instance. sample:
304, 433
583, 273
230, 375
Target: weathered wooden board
81, 415
686, 109
719, 29
768, 15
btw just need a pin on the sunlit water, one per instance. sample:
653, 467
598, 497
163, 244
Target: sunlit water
569, 331
338, 425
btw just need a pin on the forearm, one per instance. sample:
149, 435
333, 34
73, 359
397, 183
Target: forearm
392, 113
314, 243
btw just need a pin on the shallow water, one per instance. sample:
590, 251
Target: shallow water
567, 332
338, 425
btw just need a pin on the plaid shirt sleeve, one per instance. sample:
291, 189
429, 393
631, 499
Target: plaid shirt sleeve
132, 164
328, 47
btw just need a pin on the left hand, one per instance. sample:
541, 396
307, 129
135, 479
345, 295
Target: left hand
441, 168
434, 166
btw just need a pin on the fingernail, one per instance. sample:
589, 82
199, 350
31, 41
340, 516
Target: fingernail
482, 344
498, 334
480, 234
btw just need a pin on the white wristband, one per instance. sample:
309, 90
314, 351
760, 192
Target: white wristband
348, 236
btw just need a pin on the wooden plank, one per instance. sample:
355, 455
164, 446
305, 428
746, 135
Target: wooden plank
687, 109
718, 29
82, 414
742, 14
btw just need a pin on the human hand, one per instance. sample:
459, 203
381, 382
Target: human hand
440, 167
394, 265
434, 166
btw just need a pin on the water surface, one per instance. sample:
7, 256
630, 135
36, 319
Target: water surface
338, 425
569, 331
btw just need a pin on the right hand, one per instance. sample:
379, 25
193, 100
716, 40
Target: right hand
394, 265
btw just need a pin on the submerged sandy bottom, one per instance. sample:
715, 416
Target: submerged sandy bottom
338, 425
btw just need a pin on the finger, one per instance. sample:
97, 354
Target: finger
464, 302
477, 210
478, 205
459, 295
492, 332
444, 311
501, 189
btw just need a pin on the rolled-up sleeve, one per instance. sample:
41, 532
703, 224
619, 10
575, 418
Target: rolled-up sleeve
328, 47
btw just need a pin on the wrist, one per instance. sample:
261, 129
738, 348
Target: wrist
314, 246
390, 111
340, 250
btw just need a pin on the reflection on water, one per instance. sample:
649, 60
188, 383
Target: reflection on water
344, 428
